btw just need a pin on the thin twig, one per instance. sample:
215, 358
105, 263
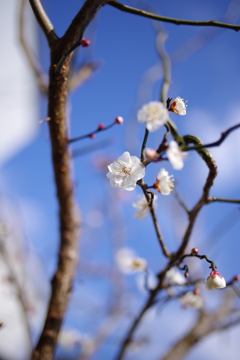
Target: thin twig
214, 199
99, 129
180, 201
146, 14
154, 219
216, 143
18, 288
40, 76
144, 143
44, 21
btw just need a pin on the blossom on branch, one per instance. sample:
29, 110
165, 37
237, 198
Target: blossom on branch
175, 155
125, 172
215, 281
178, 106
128, 262
191, 299
164, 182
154, 114
142, 207
174, 277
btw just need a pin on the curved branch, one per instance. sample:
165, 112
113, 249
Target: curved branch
148, 15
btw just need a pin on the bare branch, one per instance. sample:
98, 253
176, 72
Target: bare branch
44, 21
72, 38
149, 199
216, 143
34, 64
206, 323
146, 14
214, 199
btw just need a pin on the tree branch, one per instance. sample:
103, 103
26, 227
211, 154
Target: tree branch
44, 21
216, 143
72, 37
34, 64
68, 214
148, 15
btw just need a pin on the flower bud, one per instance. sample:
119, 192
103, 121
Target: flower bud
85, 42
92, 136
194, 251
151, 154
101, 126
196, 291
215, 281
236, 278
119, 120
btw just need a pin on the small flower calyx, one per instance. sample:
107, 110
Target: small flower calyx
215, 281
178, 106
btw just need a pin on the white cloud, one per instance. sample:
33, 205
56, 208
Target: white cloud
18, 96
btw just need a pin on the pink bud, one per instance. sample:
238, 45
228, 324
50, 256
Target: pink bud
85, 42
151, 154
92, 136
196, 291
119, 120
194, 251
236, 278
101, 126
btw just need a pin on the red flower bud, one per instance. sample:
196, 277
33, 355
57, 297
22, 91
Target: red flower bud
85, 42
119, 120
101, 126
236, 278
194, 251
92, 136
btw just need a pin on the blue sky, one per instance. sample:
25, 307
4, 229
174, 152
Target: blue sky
124, 46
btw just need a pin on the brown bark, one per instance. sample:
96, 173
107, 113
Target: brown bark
68, 215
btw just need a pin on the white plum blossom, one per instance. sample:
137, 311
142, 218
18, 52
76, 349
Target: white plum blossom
174, 277
191, 299
154, 114
142, 207
70, 338
178, 106
175, 155
215, 281
128, 262
164, 182
125, 172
